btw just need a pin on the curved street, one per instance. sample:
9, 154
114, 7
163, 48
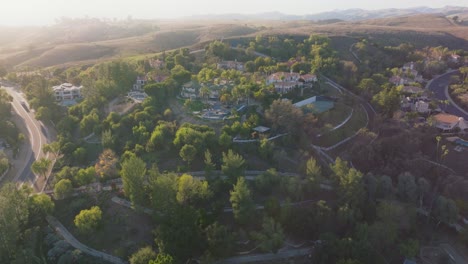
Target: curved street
36, 135
439, 86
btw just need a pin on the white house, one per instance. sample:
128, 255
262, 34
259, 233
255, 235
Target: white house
421, 106
67, 91
188, 91
447, 121
139, 83
286, 81
228, 65
285, 87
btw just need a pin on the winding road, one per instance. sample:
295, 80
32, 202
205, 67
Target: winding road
37, 137
439, 85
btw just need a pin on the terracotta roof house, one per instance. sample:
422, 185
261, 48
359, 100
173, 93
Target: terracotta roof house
447, 121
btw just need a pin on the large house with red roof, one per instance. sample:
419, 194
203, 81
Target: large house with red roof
448, 122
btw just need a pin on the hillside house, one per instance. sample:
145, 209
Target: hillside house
139, 83
231, 65
156, 63
67, 91
286, 81
189, 91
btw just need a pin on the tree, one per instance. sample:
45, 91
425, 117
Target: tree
388, 101
53, 148
162, 259
271, 237
220, 240
191, 190
313, 170
180, 235
241, 201
85, 176
107, 139
407, 189
63, 189
233, 165
350, 183
188, 153
106, 167
163, 191
266, 149
225, 140
209, 164
14, 215
409, 248
41, 167
445, 210
285, 117
133, 175
143, 256
88, 220
41, 205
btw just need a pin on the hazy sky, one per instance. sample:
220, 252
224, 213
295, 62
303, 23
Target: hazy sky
40, 12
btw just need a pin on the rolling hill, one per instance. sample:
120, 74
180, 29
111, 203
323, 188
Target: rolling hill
93, 40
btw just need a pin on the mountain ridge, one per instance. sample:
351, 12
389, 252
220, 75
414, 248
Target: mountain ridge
354, 14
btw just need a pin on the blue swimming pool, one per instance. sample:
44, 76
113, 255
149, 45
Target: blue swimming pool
462, 142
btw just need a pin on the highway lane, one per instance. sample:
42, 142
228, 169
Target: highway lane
439, 85
36, 140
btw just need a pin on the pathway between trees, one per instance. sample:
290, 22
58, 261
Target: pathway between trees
60, 229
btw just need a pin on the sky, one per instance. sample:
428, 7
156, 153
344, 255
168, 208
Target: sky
44, 12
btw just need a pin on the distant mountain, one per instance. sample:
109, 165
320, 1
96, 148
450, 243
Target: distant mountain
347, 15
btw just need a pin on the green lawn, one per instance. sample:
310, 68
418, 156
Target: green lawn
335, 116
122, 230
357, 121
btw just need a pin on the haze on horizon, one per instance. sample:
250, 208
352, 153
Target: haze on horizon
44, 12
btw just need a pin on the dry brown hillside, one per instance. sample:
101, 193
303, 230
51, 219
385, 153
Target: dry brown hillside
93, 40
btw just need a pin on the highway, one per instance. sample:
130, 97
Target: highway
35, 133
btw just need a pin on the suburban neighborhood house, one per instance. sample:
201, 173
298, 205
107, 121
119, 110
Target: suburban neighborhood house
407, 75
231, 65
448, 122
67, 91
285, 82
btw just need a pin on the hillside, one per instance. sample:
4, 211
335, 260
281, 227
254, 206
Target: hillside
98, 40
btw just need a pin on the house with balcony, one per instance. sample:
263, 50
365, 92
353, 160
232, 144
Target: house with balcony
66, 92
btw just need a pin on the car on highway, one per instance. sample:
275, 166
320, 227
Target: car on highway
25, 106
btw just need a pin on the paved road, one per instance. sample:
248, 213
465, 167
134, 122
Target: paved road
60, 229
37, 139
267, 257
439, 86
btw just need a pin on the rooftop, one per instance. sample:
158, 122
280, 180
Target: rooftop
446, 118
